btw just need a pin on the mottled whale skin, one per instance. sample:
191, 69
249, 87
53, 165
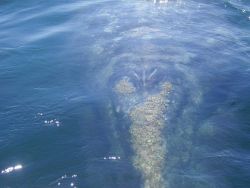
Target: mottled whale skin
147, 115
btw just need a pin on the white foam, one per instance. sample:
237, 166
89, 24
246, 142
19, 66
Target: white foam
11, 169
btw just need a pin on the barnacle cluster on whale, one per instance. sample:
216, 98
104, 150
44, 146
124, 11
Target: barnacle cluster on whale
147, 140
147, 118
124, 86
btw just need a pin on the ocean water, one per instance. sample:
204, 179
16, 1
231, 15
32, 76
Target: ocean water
62, 123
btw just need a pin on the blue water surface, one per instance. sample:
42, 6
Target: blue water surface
58, 64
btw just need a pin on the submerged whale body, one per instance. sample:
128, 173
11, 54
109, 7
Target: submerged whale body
146, 93
143, 91
147, 81
146, 90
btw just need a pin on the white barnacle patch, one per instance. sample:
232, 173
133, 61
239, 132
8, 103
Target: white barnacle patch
148, 119
124, 86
